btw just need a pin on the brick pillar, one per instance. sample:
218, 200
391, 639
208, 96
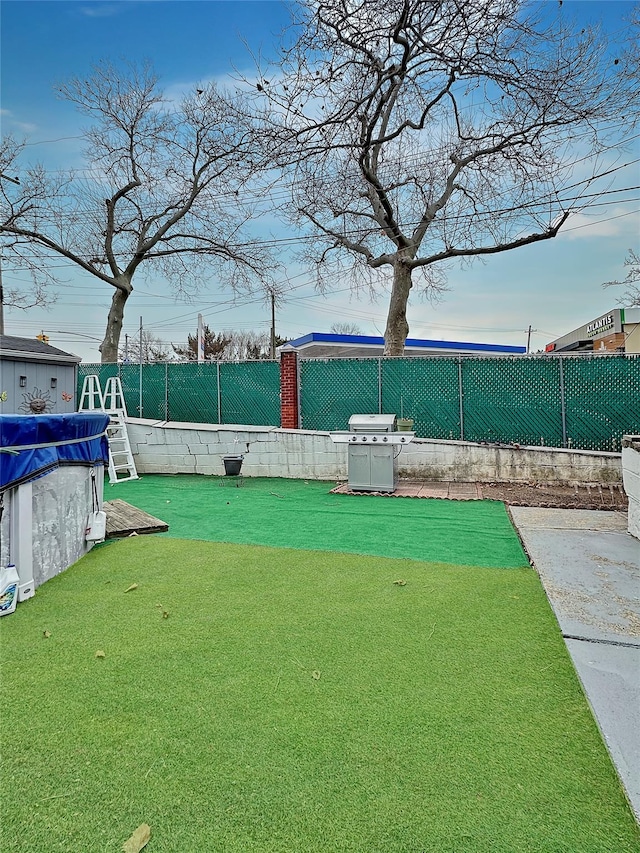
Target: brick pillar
289, 416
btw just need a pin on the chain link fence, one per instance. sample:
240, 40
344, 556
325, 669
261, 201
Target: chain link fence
586, 402
210, 392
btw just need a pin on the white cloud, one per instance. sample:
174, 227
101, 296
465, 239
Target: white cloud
176, 91
616, 222
11, 123
100, 10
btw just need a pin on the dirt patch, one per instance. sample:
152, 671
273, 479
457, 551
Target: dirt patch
610, 497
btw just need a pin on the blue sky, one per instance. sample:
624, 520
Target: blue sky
553, 286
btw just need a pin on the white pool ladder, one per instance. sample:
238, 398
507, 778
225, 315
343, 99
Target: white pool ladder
121, 463
113, 397
91, 397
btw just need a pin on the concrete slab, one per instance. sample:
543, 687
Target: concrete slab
609, 676
590, 569
464, 492
568, 519
419, 489
592, 580
411, 489
434, 490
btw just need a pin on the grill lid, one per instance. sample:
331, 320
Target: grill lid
372, 423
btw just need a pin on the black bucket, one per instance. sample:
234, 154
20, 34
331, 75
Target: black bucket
232, 465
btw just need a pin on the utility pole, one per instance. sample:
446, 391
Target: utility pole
529, 330
140, 402
200, 340
273, 325
1, 301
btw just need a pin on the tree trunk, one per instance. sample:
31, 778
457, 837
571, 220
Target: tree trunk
109, 346
397, 327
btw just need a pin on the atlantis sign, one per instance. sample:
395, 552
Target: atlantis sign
602, 324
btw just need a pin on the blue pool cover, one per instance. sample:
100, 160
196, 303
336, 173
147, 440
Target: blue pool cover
33, 445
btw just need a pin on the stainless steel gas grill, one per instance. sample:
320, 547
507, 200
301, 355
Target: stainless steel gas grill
374, 446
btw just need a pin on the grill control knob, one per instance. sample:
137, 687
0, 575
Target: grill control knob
374, 438
403, 439
384, 438
364, 437
353, 438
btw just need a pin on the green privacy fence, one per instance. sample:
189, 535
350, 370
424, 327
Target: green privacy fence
585, 402
211, 392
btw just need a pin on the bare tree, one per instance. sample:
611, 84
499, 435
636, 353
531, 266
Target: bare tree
37, 292
423, 132
346, 329
249, 345
34, 295
153, 350
631, 282
162, 191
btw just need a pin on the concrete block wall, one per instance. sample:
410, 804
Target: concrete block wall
459, 461
631, 480
176, 448
179, 448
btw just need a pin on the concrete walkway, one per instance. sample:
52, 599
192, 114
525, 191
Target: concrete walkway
590, 568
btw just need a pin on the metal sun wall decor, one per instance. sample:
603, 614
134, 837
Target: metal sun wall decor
37, 403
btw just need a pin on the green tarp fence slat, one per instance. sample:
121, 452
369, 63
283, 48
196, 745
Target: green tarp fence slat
585, 402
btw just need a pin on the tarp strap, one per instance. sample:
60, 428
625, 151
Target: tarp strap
17, 447
94, 491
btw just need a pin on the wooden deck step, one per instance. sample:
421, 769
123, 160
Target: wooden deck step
125, 520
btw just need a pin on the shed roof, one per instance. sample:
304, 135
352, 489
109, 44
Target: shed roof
31, 349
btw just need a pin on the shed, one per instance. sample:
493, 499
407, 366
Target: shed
36, 378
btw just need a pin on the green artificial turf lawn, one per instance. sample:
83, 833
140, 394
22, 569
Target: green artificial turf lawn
304, 514
444, 714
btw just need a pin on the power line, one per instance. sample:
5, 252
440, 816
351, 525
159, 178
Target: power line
267, 194
599, 221
488, 214
418, 156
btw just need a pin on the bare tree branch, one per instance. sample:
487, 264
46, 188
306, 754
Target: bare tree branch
631, 296
163, 183
415, 132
